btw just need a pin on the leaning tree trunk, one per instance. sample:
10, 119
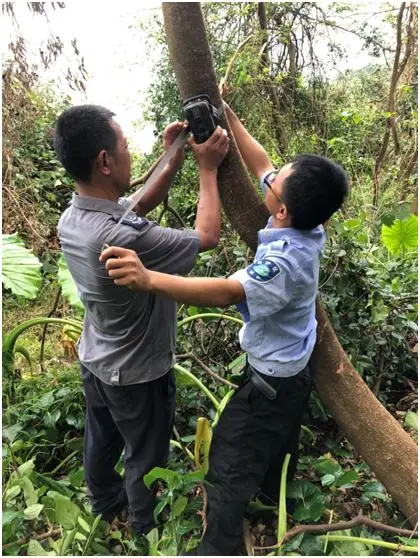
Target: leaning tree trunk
376, 435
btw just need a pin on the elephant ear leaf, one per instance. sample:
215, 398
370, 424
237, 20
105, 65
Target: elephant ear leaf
68, 286
21, 269
401, 236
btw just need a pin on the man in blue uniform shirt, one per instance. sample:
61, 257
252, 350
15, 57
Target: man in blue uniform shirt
276, 297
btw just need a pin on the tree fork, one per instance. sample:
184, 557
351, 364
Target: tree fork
375, 434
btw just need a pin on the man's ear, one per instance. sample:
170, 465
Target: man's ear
282, 213
103, 162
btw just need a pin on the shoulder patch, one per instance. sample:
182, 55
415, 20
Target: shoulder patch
263, 270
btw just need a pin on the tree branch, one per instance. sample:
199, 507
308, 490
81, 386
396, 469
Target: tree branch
360, 519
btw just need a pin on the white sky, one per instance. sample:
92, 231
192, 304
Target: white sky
113, 47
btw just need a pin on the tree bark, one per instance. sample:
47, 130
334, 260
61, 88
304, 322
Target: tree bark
375, 434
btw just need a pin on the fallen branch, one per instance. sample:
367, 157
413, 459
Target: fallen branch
24, 540
360, 519
208, 370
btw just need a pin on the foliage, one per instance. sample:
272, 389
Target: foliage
368, 283
20, 268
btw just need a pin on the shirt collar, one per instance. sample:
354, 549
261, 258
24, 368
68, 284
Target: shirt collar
96, 204
270, 234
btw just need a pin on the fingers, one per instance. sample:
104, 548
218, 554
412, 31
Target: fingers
114, 252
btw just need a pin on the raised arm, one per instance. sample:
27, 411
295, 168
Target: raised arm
159, 190
252, 152
209, 155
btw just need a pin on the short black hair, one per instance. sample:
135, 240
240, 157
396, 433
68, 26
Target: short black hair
314, 190
80, 133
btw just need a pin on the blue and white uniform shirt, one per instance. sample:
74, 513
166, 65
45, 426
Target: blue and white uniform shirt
280, 286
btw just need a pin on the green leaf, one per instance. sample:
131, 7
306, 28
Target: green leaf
76, 477
238, 364
179, 506
66, 512
21, 269
35, 549
348, 478
12, 492
379, 312
328, 466
401, 236
411, 420
32, 512
8, 516
68, 286
29, 492
327, 480
83, 524
408, 542
170, 477
311, 503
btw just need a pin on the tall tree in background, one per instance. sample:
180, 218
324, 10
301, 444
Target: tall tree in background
375, 434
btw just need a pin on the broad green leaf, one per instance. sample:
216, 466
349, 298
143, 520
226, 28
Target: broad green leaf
411, 420
66, 512
327, 480
29, 492
21, 269
170, 477
8, 516
68, 286
311, 502
32, 512
348, 478
26, 468
179, 506
35, 549
328, 466
12, 492
401, 236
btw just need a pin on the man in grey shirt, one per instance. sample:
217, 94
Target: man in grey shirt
126, 350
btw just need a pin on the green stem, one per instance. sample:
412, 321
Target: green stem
65, 460
282, 525
209, 315
204, 389
11, 338
374, 542
176, 444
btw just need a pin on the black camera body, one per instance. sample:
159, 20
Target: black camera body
202, 116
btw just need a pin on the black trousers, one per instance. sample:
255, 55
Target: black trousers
247, 451
137, 418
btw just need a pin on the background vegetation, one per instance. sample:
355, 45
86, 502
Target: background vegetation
280, 87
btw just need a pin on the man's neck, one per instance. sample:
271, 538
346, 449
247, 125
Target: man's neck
280, 224
101, 191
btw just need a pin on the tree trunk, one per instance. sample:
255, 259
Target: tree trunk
375, 434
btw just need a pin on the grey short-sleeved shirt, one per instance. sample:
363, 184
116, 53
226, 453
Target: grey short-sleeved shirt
128, 337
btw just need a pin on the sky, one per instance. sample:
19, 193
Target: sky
113, 46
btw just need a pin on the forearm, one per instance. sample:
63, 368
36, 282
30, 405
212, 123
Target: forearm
254, 155
159, 190
197, 291
208, 210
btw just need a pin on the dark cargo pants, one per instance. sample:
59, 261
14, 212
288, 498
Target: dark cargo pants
247, 451
139, 419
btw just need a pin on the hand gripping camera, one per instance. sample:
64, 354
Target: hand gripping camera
202, 116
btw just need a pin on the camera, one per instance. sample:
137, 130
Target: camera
202, 116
